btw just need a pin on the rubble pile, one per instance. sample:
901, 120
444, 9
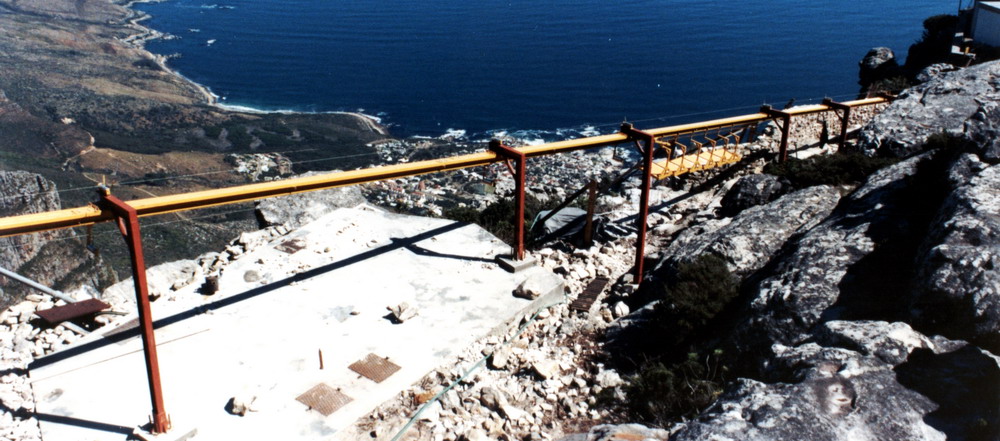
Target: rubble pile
22, 339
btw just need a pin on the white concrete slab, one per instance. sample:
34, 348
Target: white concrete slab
263, 338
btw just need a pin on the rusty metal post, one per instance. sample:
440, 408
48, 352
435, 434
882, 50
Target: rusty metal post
845, 118
588, 230
519, 171
647, 174
128, 222
785, 128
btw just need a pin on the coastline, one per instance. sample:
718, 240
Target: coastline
144, 33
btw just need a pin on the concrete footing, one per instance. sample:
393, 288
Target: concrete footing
513, 265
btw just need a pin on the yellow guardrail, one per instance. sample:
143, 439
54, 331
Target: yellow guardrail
91, 214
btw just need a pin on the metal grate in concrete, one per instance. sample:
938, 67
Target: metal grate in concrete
324, 399
374, 368
584, 301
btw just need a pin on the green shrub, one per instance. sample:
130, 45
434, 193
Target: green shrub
662, 393
698, 292
213, 131
669, 388
238, 136
893, 85
836, 169
934, 45
498, 216
462, 214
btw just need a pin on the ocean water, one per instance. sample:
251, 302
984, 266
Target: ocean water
536, 68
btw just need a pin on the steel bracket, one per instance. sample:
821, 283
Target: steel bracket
785, 125
845, 118
641, 222
519, 171
128, 222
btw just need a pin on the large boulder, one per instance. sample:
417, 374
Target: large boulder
747, 241
956, 103
879, 63
753, 190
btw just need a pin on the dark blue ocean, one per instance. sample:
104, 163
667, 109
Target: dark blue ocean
538, 66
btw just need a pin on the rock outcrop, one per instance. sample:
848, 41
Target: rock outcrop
747, 241
827, 272
881, 319
878, 63
753, 190
51, 258
24, 193
962, 103
958, 286
297, 210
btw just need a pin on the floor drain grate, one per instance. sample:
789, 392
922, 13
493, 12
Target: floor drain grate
589, 294
374, 368
324, 399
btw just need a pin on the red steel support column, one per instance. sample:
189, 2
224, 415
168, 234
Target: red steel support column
588, 229
519, 171
128, 221
647, 177
845, 118
783, 147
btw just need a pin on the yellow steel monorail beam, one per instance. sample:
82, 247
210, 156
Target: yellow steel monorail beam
88, 215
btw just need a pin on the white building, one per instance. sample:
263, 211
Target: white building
986, 23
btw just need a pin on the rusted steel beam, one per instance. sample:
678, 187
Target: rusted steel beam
128, 221
519, 170
588, 229
647, 178
785, 127
845, 118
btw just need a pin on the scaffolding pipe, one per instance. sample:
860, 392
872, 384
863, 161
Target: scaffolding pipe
57, 294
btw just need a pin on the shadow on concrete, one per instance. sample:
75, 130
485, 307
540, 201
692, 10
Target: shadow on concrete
396, 244
420, 251
87, 424
23, 413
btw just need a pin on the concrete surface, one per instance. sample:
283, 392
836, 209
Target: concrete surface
263, 338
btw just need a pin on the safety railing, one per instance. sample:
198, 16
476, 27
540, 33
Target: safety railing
127, 213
